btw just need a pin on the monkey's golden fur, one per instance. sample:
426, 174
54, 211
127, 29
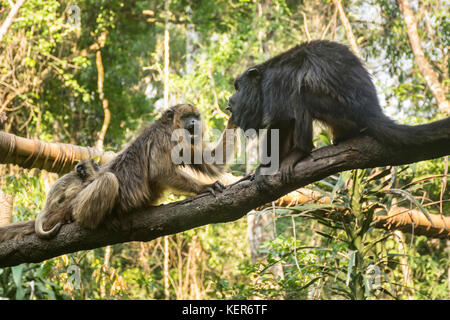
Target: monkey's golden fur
67, 187
64, 189
139, 175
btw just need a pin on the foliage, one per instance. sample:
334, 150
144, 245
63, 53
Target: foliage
353, 260
49, 90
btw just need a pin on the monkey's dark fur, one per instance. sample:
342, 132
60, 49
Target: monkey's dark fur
318, 80
65, 188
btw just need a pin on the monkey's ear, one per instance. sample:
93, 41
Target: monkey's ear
254, 73
170, 113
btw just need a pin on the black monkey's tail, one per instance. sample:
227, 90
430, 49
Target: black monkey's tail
388, 132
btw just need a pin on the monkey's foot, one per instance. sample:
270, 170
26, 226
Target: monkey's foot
287, 172
261, 182
288, 165
215, 187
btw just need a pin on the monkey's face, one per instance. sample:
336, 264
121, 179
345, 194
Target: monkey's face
87, 168
192, 123
245, 104
188, 118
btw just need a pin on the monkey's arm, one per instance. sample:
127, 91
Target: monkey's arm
184, 182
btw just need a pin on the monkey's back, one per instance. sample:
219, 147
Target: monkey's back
137, 168
323, 76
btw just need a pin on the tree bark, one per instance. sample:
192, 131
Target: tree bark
439, 92
53, 157
6, 208
232, 204
101, 94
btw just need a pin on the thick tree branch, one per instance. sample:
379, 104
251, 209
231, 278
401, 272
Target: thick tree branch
53, 157
398, 218
232, 204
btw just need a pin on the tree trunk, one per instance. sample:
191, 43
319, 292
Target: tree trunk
101, 94
166, 268
431, 78
348, 28
6, 208
166, 54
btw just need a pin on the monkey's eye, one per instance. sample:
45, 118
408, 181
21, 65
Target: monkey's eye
170, 113
253, 72
96, 167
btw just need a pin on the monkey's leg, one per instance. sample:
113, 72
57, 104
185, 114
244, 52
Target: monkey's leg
261, 171
343, 129
284, 131
301, 145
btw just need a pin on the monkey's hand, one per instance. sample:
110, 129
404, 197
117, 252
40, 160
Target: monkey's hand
214, 187
260, 180
231, 125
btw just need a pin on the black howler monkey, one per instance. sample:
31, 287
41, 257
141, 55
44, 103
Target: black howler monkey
318, 80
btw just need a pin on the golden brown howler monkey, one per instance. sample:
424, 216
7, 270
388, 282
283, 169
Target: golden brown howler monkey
139, 174
64, 189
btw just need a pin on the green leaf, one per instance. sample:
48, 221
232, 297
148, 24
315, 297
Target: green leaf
17, 277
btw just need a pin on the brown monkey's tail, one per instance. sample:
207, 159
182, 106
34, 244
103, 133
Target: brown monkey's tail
39, 228
389, 132
96, 200
16, 230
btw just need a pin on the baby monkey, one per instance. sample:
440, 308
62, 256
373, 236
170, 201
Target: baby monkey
65, 188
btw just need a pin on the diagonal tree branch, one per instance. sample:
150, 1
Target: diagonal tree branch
9, 19
431, 77
232, 204
348, 29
